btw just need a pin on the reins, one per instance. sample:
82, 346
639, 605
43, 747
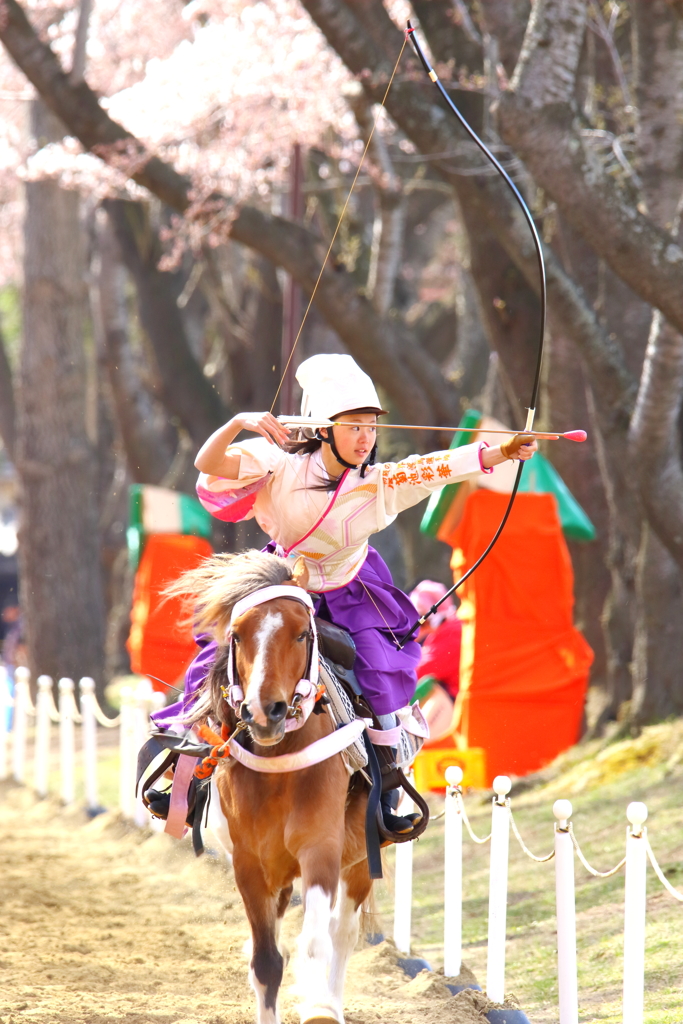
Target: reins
309, 694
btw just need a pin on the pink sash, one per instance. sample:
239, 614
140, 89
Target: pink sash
328, 508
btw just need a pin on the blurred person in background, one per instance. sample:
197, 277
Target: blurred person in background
438, 672
14, 651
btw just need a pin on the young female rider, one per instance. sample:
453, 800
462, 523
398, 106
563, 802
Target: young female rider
321, 500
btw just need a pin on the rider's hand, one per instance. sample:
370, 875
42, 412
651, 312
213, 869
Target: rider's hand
265, 424
521, 446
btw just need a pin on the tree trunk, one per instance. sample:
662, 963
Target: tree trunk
655, 431
658, 642
145, 440
186, 392
59, 554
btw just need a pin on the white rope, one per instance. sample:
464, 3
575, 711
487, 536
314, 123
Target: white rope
527, 851
100, 717
53, 711
74, 713
596, 874
28, 705
658, 871
473, 837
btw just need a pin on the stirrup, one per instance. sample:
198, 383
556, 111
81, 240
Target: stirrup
158, 803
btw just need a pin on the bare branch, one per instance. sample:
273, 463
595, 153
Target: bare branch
387, 234
394, 361
606, 33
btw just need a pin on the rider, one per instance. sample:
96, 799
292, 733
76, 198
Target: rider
320, 498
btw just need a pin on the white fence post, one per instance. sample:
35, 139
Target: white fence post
452, 897
22, 705
143, 702
5, 706
126, 752
498, 890
41, 749
89, 738
635, 892
403, 884
67, 707
566, 915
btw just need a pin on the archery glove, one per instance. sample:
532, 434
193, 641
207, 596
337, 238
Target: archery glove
511, 448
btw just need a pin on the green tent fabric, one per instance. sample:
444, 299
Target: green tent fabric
161, 510
539, 477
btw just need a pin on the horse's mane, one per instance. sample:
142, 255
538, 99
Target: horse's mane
212, 589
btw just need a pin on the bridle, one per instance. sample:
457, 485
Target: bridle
309, 690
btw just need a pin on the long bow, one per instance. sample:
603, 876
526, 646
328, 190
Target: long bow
410, 34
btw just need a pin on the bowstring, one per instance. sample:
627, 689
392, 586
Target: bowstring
339, 222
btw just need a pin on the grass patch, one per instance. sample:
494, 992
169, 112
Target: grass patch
601, 780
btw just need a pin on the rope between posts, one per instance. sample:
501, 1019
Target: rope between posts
73, 712
473, 837
596, 874
100, 717
52, 709
28, 705
527, 851
658, 871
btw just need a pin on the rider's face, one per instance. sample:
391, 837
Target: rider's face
356, 441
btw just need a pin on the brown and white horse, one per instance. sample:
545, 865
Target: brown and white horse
307, 823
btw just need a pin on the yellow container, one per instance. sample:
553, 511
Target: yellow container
431, 764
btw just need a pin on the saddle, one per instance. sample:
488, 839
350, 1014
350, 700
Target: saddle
377, 768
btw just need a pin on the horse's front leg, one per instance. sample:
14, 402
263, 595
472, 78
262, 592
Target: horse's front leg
354, 888
320, 877
261, 906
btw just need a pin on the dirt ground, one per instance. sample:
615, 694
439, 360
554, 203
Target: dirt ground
102, 923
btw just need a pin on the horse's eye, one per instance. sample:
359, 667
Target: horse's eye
235, 638
304, 636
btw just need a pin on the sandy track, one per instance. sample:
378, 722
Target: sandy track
101, 923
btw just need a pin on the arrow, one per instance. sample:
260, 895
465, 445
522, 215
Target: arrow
306, 421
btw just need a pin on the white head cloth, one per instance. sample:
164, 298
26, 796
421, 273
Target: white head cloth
334, 383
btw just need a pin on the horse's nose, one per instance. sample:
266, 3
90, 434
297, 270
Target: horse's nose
245, 713
276, 711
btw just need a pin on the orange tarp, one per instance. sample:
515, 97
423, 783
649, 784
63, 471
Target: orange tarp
523, 666
160, 643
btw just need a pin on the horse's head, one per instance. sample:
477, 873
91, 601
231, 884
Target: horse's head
272, 645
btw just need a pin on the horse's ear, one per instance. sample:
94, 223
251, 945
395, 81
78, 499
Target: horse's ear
300, 573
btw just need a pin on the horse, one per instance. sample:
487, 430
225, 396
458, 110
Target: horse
308, 823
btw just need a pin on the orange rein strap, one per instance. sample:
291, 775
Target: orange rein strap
221, 750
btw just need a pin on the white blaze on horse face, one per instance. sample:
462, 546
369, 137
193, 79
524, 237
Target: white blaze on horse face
314, 955
272, 622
